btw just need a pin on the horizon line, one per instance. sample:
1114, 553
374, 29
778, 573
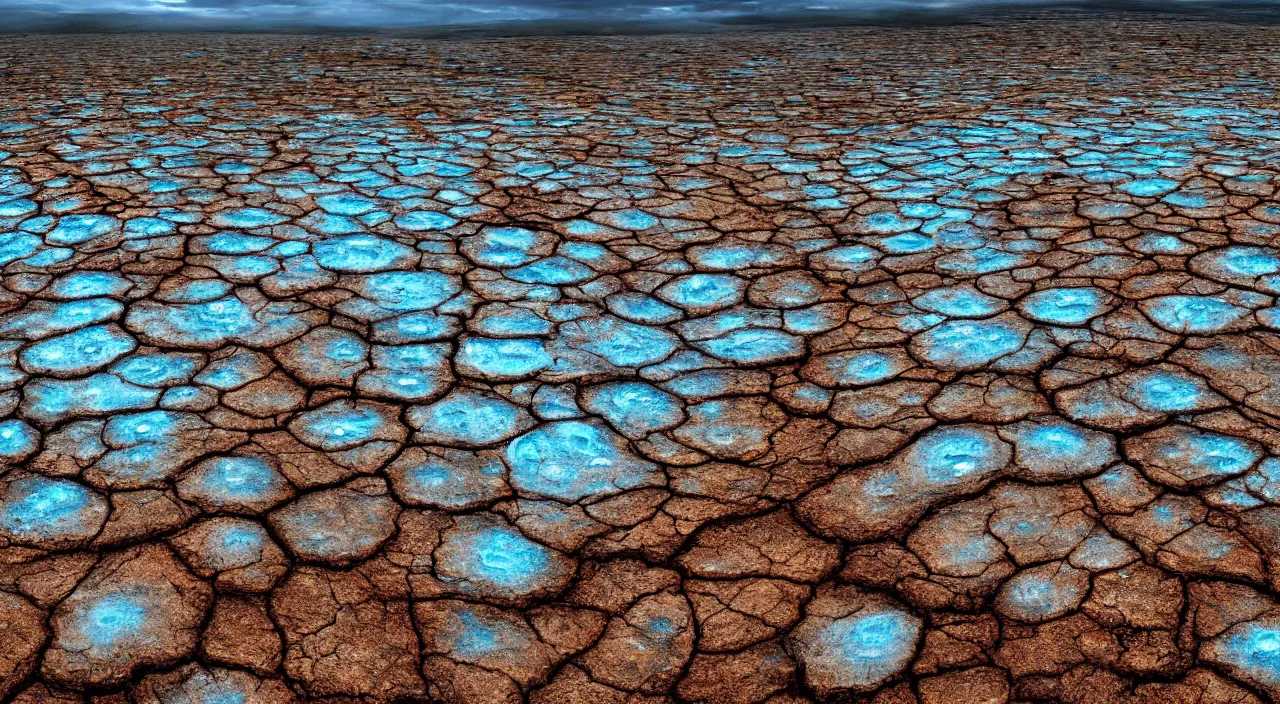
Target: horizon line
1231, 11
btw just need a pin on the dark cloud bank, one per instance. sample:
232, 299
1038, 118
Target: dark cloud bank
449, 17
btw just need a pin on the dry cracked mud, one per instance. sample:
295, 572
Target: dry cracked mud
895, 365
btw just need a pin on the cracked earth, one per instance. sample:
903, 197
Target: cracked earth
906, 366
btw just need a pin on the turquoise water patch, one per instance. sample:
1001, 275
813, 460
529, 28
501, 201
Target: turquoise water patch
467, 418
50, 513
1195, 315
574, 460
1065, 306
242, 484
969, 344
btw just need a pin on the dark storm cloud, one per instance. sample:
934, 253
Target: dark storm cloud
607, 15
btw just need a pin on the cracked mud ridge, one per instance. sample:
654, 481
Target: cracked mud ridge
932, 366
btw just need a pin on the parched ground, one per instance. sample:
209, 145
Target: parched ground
897, 365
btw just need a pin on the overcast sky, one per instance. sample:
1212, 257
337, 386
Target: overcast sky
248, 14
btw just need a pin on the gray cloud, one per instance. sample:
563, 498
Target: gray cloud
610, 15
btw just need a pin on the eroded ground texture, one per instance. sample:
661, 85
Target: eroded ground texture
931, 366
